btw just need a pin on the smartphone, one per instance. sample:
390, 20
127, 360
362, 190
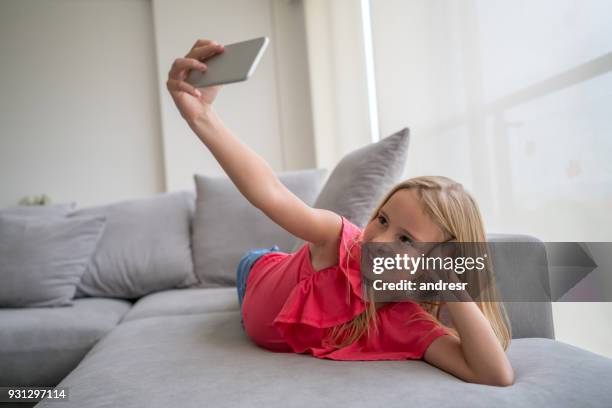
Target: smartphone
236, 63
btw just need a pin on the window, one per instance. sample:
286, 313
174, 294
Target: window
510, 98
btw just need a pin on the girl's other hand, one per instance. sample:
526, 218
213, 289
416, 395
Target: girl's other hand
190, 101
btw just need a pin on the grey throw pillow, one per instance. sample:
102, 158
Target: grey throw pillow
226, 225
145, 247
362, 178
42, 259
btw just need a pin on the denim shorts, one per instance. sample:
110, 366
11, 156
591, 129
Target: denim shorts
244, 267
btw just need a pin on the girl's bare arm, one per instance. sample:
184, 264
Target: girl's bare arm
477, 356
255, 179
248, 171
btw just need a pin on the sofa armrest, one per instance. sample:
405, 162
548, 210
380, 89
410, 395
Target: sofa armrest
528, 318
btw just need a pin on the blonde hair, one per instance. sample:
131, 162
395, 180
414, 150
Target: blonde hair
455, 211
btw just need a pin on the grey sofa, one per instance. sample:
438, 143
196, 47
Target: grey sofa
185, 347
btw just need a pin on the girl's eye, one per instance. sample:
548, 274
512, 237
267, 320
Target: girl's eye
407, 239
381, 219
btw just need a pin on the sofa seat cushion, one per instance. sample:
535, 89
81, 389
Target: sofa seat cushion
207, 360
39, 346
184, 302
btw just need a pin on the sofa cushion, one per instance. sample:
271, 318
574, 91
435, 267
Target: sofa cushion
43, 258
40, 346
361, 179
145, 247
226, 225
183, 302
207, 360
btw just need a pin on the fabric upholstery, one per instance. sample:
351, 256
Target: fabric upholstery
207, 360
40, 346
145, 247
43, 258
184, 302
362, 178
226, 225
529, 319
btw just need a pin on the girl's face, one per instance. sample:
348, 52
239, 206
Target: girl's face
403, 219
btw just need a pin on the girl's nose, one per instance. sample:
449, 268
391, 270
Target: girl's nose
383, 238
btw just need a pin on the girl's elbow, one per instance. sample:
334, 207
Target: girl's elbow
498, 378
502, 378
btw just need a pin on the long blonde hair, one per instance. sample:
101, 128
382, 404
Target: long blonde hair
455, 211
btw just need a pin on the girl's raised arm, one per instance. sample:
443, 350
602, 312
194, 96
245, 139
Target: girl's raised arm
251, 174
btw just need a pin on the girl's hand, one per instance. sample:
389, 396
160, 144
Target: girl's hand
190, 101
454, 283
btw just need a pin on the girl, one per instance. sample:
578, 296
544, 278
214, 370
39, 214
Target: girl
311, 300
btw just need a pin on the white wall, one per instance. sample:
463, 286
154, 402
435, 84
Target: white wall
79, 111
84, 111
270, 112
338, 78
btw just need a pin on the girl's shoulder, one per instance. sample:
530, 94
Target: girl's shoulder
345, 249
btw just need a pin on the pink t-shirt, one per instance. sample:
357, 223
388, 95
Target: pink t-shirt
288, 307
